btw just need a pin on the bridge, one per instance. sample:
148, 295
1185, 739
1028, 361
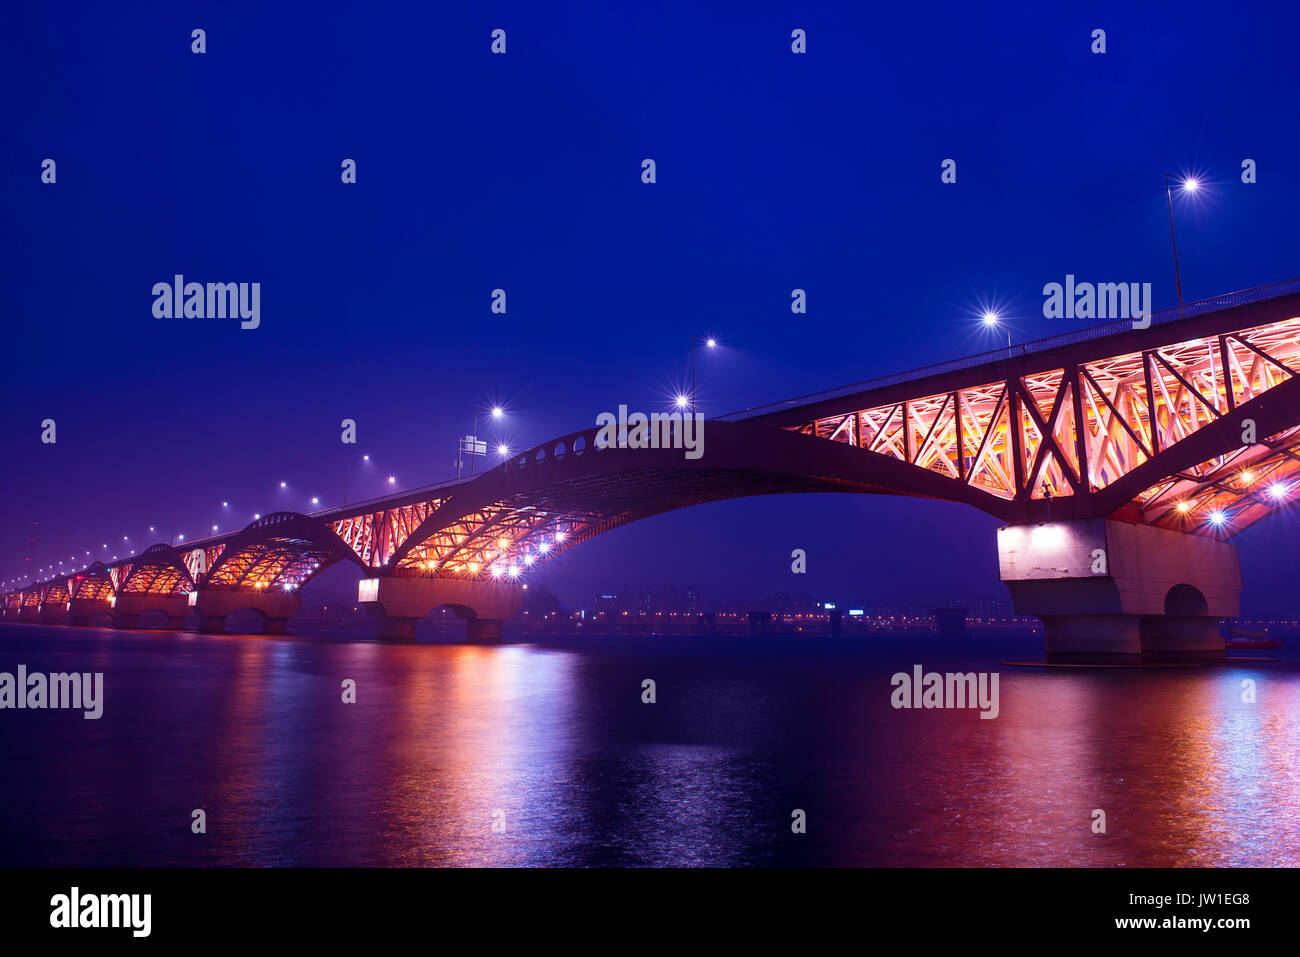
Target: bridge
1121, 461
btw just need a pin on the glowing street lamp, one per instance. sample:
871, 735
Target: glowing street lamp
347, 476
267, 510
472, 445
1188, 184
991, 320
710, 343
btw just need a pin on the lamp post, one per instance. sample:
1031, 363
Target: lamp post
1188, 184
695, 340
267, 510
990, 320
347, 476
471, 445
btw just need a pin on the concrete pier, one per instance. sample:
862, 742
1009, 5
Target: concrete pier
274, 606
82, 610
398, 603
128, 608
1114, 592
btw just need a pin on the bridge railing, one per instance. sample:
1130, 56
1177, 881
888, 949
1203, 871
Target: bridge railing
1241, 298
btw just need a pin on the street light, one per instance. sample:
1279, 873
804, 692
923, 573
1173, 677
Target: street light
267, 510
347, 477
709, 342
1188, 184
471, 445
990, 320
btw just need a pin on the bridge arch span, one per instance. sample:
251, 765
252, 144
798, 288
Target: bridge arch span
283, 550
569, 489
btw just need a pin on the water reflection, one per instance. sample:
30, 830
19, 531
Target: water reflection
554, 746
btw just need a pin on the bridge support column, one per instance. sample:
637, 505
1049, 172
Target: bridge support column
127, 608
274, 606
1179, 638
1112, 592
81, 610
399, 603
30, 614
483, 631
54, 614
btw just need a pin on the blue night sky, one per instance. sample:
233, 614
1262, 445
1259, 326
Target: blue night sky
522, 171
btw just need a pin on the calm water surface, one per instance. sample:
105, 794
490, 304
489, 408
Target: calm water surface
555, 736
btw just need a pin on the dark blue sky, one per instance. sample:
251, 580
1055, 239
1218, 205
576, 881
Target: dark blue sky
522, 171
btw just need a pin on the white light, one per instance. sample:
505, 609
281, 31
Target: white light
315, 500
544, 547
560, 536
1217, 517
990, 318
365, 458
214, 528
1190, 184
528, 559
284, 485
1277, 490
682, 401
392, 479
711, 343
1184, 506
496, 571
181, 537
497, 411
225, 505
256, 516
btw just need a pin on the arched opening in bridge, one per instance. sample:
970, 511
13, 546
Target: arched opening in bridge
444, 622
1186, 601
153, 618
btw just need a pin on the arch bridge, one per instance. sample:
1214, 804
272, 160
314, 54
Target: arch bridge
1120, 459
